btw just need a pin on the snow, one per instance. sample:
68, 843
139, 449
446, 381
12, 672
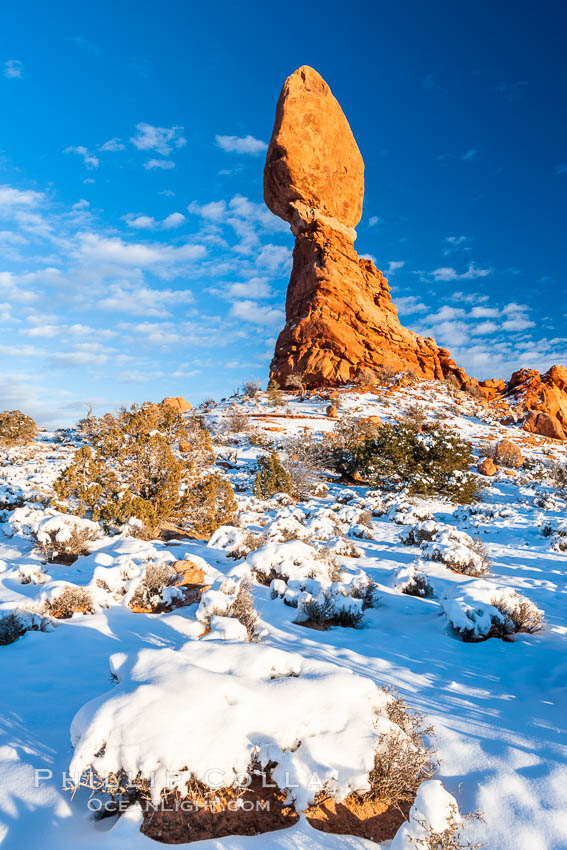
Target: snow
498, 708
252, 701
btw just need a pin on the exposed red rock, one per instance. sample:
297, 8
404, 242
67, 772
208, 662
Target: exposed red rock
177, 403
543, 398
487, 467
509, 454
341, 325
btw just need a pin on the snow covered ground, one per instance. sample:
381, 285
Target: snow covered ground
498, 707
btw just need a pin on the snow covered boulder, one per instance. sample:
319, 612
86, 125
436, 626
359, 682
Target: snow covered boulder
480, 610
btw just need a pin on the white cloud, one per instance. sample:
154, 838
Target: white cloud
144, 301
164, 164
484, 312
393, 267
112, 145
449, 273
373, 221
250, 311
143, 255
256, 287
175, 219
89, 159
408, 305
213, 211
81, 205
456, 243
517, 317
10, 197
78, 358
13, 69
159, 139
147, 222
561, 168
241, 144
471, 153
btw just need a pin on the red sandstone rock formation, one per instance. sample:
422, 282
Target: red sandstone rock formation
341, 324
543, 398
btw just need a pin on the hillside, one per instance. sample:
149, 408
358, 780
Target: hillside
178, 684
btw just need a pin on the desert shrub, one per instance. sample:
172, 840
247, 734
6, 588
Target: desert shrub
261, 440
415, 415
208, 504
305, 460
77, 543
415, 535
322, 610
71, 599
398, 457
14, 625
368, 595
296, 382
237, 420
558, 476
402, 761
450, 838
272, 477
242, 608
481, 550
131, 469
156, 577
16, 429
275, 396
251, 389
346, 444
521, 615
418, 584
249, 543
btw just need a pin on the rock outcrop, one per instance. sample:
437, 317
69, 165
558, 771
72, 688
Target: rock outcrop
178, 403
341, 325
543, 398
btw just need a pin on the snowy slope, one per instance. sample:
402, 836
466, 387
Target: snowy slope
498, 708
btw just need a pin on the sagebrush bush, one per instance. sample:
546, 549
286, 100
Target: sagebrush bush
272, 477
397, 456
450, 838
76, 544
14, 626
156, 577
71, 599
402, 761
145, 463
243, 609
523, 616
16, 428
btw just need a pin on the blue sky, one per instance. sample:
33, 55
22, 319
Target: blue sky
137, 259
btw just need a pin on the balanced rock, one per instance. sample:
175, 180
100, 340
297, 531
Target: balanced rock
341, 325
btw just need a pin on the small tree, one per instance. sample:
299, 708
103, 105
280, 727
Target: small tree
16, 429
272, 477
295, 381
133, 468
275, 396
